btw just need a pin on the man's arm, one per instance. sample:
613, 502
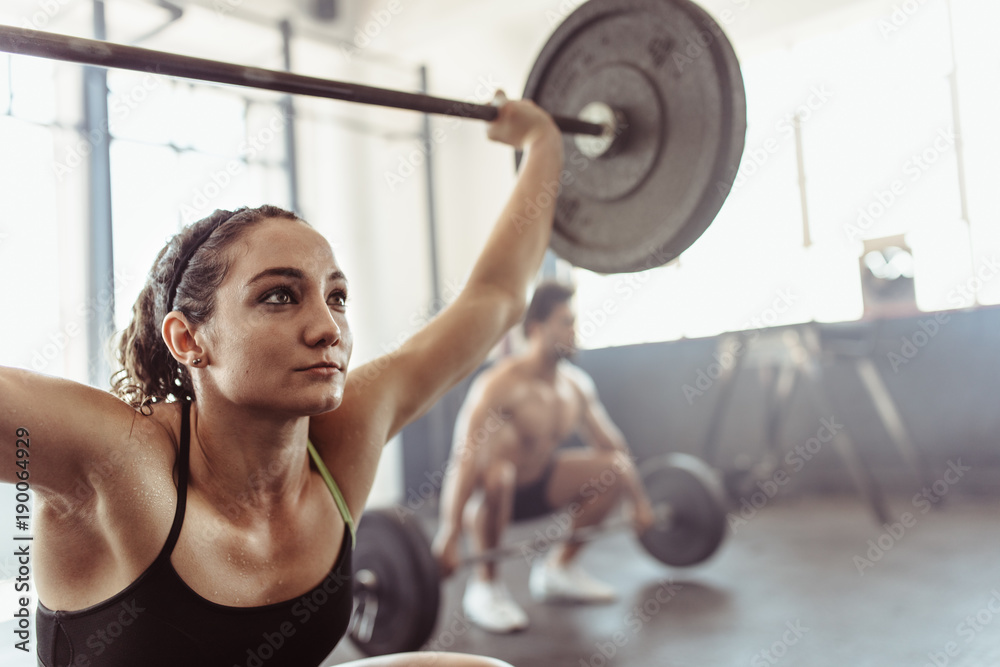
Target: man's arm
600, 432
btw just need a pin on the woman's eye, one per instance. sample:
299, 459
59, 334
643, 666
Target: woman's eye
339, 299
279, 296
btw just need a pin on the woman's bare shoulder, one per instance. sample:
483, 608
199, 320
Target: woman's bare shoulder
142, 452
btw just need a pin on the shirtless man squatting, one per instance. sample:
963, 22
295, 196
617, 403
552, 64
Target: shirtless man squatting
512, 469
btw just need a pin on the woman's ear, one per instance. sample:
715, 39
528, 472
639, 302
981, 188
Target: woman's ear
179, 335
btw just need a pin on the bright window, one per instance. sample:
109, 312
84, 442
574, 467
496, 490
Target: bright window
880, 159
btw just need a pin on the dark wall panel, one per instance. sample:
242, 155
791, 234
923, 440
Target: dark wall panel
944, 375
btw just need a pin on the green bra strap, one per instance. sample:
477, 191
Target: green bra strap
335, 490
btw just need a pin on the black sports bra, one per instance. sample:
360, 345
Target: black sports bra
158, 620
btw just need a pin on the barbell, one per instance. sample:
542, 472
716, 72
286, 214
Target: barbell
397, 582
648, 92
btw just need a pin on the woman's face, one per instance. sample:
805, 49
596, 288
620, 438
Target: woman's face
280, 313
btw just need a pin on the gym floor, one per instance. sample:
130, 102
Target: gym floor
797, 584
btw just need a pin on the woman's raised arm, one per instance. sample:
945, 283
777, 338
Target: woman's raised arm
392, 391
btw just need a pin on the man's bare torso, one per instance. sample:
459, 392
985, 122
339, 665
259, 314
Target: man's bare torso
536, 414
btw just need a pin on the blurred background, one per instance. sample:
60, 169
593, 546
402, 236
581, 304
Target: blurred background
860, 243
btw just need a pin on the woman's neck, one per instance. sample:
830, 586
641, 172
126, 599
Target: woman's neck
249, 462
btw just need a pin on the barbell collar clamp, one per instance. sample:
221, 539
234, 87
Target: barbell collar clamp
366, 579
615, 125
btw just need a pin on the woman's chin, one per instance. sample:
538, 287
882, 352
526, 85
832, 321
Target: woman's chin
319, 398
305, 402
327, 403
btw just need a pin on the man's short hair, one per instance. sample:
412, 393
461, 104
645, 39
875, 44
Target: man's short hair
547, 296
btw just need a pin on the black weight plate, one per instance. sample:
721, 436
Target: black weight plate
393, 547
668, 66
694, 492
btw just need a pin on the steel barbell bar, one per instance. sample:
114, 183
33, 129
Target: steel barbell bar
23, 41
664, 518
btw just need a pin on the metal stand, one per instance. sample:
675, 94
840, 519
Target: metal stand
793, 359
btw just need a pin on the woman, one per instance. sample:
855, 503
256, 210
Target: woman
197, 529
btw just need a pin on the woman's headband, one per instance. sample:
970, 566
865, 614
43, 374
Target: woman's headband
192, 249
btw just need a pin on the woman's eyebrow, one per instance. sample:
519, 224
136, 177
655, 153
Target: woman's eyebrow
291, 272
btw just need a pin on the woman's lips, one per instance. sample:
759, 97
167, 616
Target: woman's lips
321, 370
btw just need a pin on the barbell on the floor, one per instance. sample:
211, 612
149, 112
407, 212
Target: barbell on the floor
651, 89
664, 518
397, 582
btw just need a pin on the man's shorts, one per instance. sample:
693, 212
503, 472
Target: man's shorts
530, 500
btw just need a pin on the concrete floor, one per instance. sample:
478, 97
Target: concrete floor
785, 589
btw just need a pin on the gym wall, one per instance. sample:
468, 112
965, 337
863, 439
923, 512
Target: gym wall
940, 385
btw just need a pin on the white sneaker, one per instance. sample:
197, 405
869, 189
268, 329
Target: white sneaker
502, 598
488, 605
567, 583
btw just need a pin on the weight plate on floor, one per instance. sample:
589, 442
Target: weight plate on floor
697, 500
401, 577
